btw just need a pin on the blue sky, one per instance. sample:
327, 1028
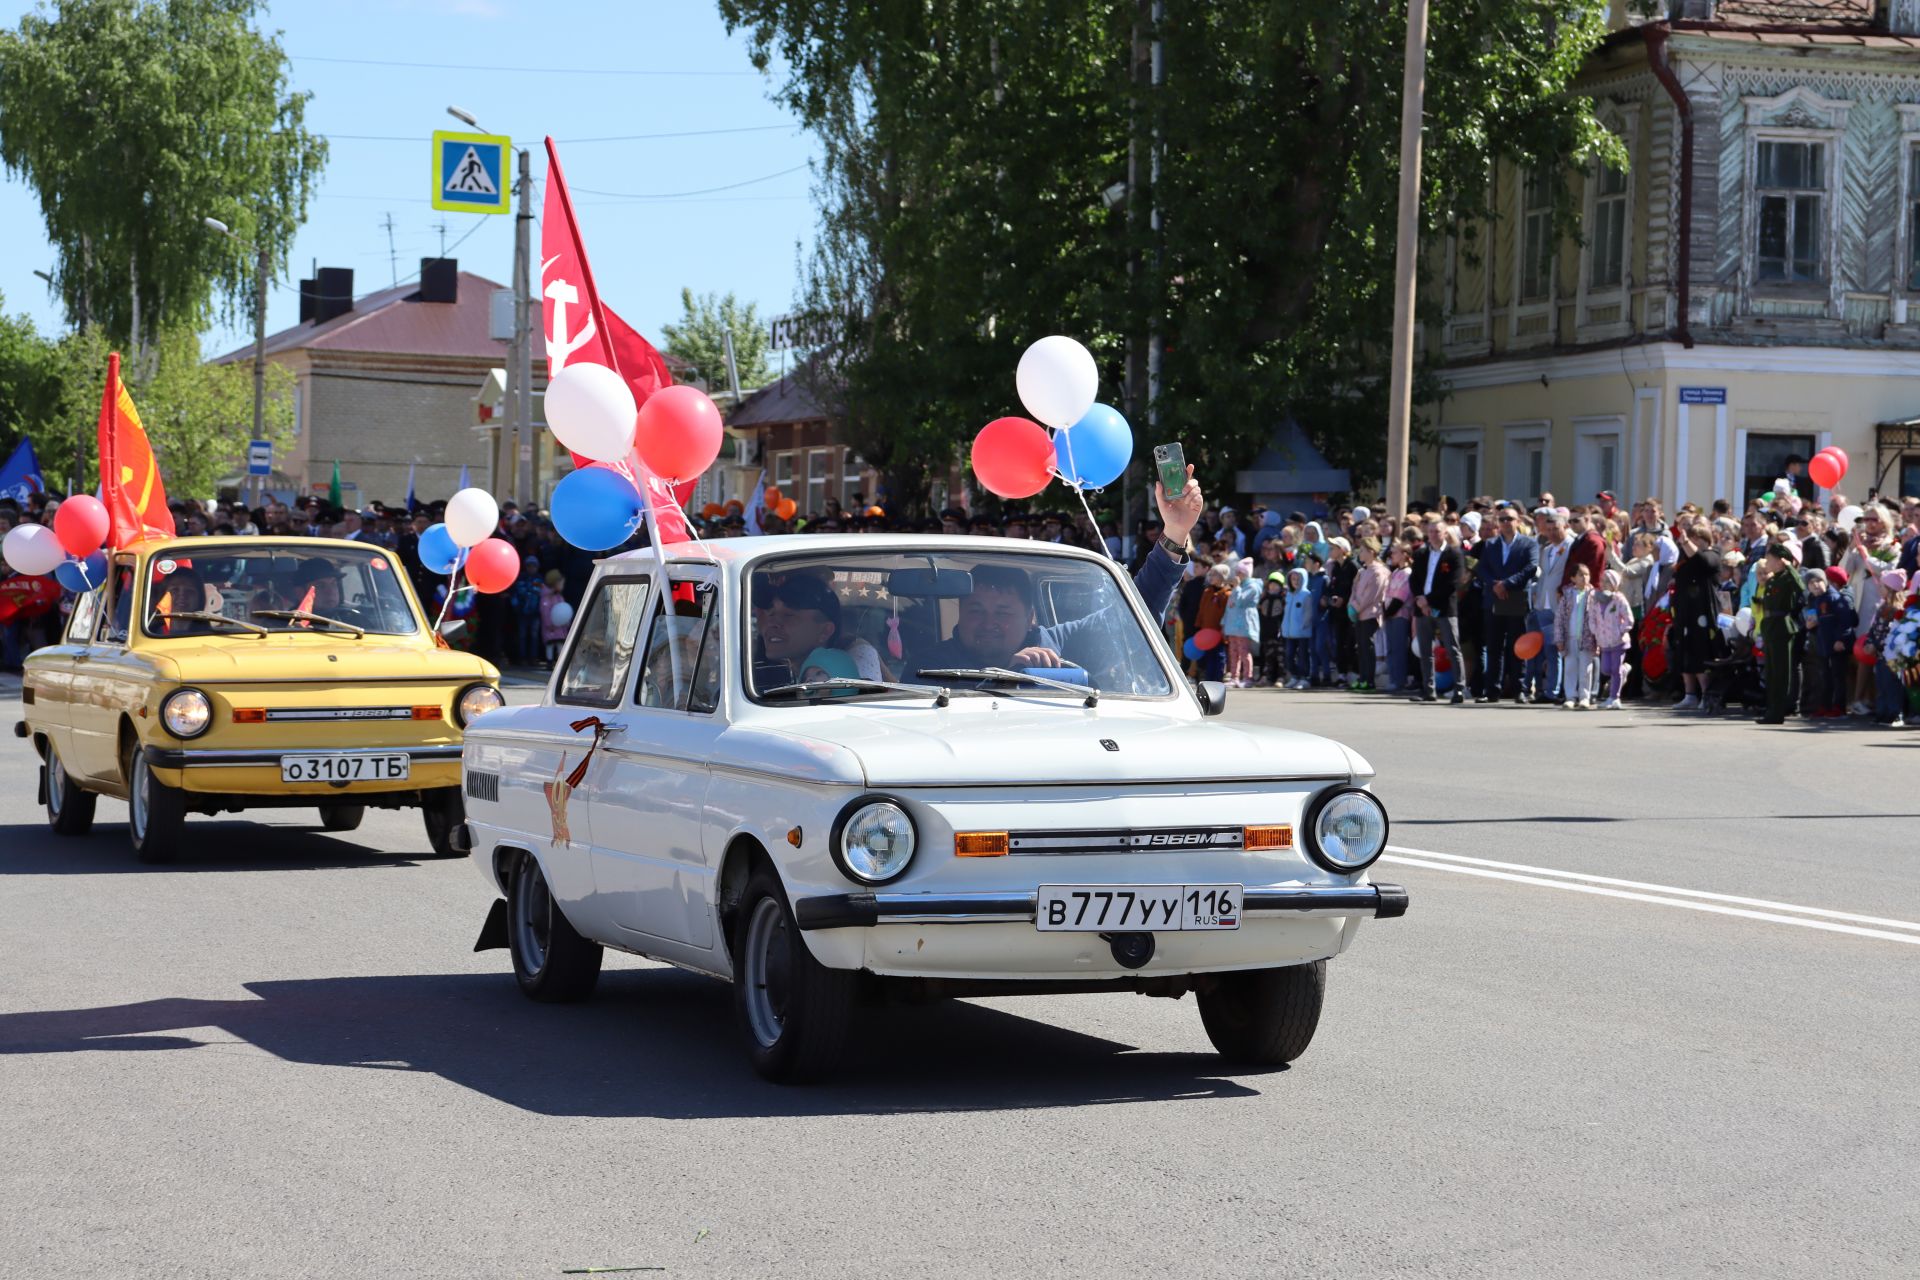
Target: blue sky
643, 248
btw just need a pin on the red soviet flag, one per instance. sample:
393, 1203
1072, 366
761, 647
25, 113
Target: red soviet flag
580, 328
129, 475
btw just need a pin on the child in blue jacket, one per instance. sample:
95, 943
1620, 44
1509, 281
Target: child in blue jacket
1297, 627
1834, 624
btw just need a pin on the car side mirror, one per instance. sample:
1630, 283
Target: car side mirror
1212, 695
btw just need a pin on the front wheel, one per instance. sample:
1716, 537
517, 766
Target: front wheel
553, 964
341, 817
1265, 1017
69, 808
793, 1010
444, 812
156, 812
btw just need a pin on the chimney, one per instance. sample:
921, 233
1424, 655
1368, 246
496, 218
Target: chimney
439, 280
307, 289
332, 293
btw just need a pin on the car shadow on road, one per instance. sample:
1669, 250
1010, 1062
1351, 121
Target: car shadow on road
29, 849
653, 1042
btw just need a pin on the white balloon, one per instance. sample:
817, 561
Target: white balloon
472, 517
590, 409
561, 614
1058, 381
33, 549
1845, 521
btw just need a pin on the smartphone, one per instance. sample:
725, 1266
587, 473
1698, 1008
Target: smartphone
1170, 463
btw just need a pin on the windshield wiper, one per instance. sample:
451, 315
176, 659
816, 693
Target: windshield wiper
308, 615
201, 615
809, 687
1007, 674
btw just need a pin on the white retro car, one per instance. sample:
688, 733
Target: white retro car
822, 767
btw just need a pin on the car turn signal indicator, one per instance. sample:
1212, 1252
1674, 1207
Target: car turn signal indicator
980, 844
1278, 837
426, 713
249, 715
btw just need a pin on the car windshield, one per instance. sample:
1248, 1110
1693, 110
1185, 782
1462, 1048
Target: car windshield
337, 588
1047, 626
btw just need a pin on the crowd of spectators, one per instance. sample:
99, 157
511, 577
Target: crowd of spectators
1783, 607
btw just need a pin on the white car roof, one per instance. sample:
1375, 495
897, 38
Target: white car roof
734, 554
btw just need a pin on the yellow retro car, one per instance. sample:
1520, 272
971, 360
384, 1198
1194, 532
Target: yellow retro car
216, 674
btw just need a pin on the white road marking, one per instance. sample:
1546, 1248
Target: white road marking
1663, 895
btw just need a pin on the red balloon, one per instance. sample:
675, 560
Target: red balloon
1826, 470
81, 524
1207, 638
493, 565
1013, 457
678, 433
1528, 645
1840, 455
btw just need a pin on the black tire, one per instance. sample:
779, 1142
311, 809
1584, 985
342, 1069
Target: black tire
341, 817
1265, 1017
69, 806
444, 812
792, 1010
552, 963
156, 812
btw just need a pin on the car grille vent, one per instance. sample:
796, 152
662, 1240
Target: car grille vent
1155, 840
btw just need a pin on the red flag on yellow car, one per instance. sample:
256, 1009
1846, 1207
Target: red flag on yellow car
129, 476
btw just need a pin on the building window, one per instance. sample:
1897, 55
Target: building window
817, 460
1791, 189
1609, 233
1527, 467
1460, 470
1767, 456
1536, 237
853, 478
782, 470
1913, 220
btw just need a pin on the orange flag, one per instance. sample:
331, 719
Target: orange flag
129, 476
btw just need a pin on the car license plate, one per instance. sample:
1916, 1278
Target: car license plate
340, 767
1139, 908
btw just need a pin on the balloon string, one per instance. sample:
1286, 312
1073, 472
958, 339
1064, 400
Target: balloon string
1081, 493
685, 519
453, 576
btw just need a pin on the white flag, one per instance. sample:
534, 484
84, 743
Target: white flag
756, 503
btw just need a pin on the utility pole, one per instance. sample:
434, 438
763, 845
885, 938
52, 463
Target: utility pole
393, 259
520, 377
265, 266
1406, 259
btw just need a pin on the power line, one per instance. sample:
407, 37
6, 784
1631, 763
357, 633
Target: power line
575, 142
556, 71
674, 195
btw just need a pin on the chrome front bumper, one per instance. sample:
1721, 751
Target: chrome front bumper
865, 910
219, 758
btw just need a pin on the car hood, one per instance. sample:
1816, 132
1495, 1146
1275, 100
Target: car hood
973, 743
308, 658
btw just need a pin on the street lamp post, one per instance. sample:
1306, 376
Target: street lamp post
265, 265
1406, 259
520, 470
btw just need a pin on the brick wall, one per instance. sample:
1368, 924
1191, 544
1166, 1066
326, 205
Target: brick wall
377, 421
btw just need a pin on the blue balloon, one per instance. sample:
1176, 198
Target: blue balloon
82, 575
1192, 650
596, 508
1096, 450
438, 551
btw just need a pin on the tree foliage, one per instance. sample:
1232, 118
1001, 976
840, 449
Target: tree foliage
968, 143
134, 119
700, 339
198, 416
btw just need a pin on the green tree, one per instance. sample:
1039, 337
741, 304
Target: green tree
973, 150
199, 416
700, 339
134, 119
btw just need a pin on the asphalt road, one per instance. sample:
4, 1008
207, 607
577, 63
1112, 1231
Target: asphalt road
281, 1056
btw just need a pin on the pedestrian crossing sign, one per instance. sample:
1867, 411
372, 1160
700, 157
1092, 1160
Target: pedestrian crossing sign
470, 172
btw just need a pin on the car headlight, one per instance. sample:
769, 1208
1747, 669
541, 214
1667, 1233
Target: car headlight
873, 840
1346, 830
186, 713
476, 700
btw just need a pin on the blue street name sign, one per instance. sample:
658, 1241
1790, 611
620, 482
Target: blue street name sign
260, 457
1703, 395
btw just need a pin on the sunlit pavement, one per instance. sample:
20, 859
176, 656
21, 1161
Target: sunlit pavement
1653, 1013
